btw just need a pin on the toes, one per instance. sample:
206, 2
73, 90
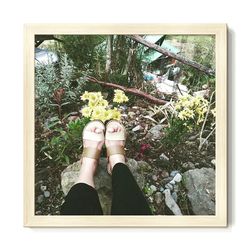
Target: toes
111, 130
98, 130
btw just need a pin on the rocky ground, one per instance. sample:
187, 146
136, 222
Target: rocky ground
179, 180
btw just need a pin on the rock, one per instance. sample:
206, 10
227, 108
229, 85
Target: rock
154, 177
190, 143
164, 158
153, 188
177, 177
40, 199
171, 204
213, 162
164, 174
188, 165
158, 197
43, 188
193, 137
155, 133
200, 186
46, 194
169, 186
173, 173
176, 188
172, 182
131, 114
102, 179
175, 196
201, 93
137, 128
161, 189
150, 199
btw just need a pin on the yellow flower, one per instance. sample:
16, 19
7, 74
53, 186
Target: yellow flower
85, 96
116, 115
98, 113
103, 103
107, 115
93, 97
86, 111
120, 96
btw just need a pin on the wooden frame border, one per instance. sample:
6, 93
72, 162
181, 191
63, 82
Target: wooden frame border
220, 219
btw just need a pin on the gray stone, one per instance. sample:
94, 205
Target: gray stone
175, 196
171, 204
213, 162
177, 177
169, 186
40, 199
137, 128
164, 158
154, 177
153, 188
156, 133
172, 182
193, 138
131, 114
43, 188
164, 174
174, 173
46, 194
161, 189
176, 188
188, 165
158, 197
200, 186
102, 179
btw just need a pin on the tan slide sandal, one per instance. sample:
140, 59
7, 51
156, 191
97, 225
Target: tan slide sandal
90, 152
115, 136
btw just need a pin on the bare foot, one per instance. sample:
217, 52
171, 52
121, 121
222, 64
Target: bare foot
114, 127
88, 165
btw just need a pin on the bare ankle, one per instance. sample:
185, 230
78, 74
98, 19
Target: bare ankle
114, 159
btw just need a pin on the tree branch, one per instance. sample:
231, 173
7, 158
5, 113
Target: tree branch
129, 90
166, 52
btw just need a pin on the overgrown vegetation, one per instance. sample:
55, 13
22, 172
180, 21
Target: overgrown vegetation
66, 100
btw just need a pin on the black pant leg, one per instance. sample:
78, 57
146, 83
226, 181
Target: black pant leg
128, 198
82, 199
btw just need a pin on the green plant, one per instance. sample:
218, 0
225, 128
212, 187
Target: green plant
190, 115
65, 145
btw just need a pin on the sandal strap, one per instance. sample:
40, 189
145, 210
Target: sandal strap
114, 150
93, 153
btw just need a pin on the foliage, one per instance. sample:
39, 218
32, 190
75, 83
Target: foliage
188, 116
98, 108
191, 109
85, 50
57, 87
65, 145
204, 53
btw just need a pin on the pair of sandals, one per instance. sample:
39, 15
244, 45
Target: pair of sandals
98, 136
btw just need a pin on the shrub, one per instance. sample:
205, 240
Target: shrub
65, 146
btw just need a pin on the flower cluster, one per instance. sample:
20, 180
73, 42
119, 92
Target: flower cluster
189, 107
120, 97
98, 108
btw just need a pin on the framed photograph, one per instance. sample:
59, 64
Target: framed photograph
125, 125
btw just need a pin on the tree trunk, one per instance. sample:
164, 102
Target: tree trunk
108, 54
165, 52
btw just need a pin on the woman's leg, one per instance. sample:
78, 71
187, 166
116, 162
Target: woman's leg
82, 198
128, 198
